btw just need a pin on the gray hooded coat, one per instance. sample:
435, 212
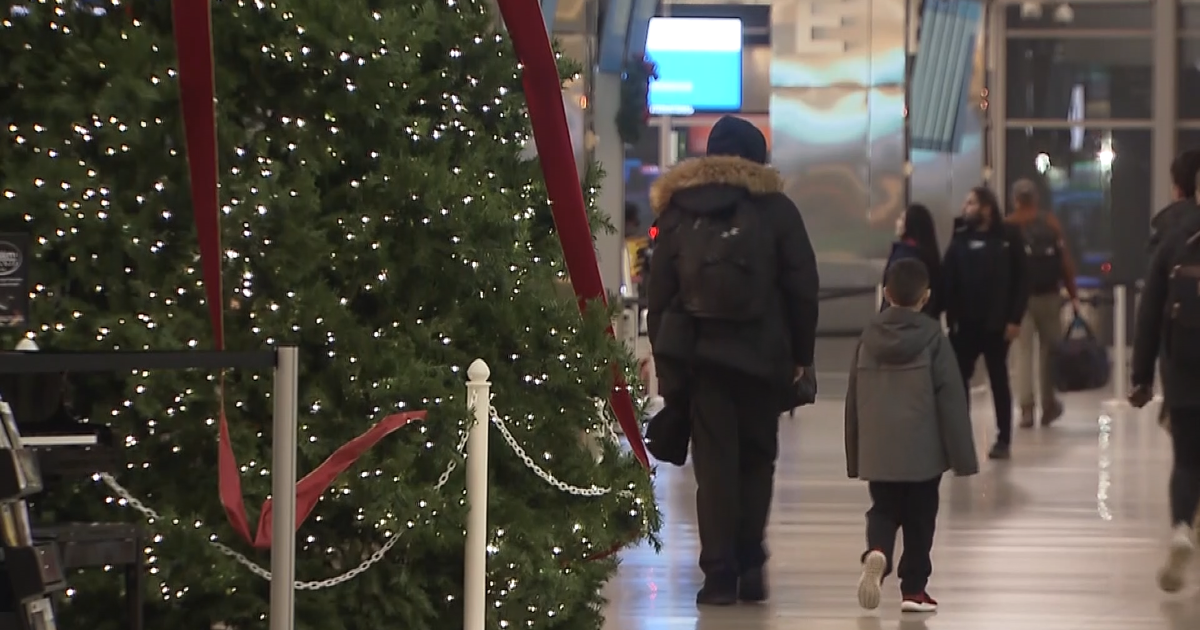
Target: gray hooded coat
907, 417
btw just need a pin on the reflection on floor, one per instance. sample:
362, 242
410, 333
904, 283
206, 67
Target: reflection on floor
1066, 536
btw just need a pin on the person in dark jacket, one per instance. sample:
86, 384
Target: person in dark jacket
985, 300
1184, 169
1183, 187
917, 238
1167, 322
735, 375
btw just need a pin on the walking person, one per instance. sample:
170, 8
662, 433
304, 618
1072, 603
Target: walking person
907, 423
985, 298
733, 317
1184, 169
1168, 322
1050, 269
917, 239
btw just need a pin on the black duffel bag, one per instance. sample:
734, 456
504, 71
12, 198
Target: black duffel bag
1080, 362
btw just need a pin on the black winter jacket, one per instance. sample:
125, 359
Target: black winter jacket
1180, 388
771, 349
985, 283
1167, 220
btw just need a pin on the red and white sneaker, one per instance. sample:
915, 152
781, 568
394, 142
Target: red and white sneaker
919, 603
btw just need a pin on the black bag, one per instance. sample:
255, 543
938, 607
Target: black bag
1043, 251
1183, 308
1080, 362
803, 391
669, 432
725, 263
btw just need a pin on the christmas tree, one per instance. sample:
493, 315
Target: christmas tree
377, 213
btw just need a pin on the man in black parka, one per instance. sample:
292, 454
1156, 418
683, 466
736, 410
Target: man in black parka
734, 374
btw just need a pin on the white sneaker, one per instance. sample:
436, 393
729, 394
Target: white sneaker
870, 584
1179, 554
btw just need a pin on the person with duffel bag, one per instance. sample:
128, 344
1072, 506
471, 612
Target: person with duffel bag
1168, 323
1050, 269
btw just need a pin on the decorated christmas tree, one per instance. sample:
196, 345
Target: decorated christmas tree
377, 213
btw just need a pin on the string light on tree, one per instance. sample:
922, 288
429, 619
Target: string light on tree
375, 212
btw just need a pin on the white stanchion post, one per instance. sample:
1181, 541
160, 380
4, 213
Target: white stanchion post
629, 328
283, 490
1120, 344
475, 569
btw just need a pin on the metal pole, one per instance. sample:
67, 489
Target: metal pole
475, 565
283, 489
878, 297
1120, 345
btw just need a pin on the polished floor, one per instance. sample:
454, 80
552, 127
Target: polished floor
1065, 536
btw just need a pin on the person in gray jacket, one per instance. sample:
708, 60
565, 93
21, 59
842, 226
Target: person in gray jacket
907, 423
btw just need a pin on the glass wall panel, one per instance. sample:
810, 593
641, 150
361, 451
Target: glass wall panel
1189, 18
1188, 78
1079, 79
1085, 16
1095, 181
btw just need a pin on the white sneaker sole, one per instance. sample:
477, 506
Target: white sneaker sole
1170, 576
917, 607
870, 584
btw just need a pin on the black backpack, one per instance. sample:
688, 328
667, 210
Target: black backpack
725, 264
1043, 251
1183, 307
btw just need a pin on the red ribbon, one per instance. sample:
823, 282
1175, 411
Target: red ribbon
543, 94
193, 39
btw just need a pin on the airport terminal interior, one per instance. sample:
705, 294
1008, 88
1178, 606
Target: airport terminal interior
1090, 99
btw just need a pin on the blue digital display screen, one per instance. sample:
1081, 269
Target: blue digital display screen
699, 64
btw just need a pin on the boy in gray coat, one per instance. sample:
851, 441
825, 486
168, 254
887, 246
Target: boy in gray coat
907, 422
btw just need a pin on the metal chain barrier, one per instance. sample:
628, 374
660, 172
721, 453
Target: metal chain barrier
608, 420
592, 491
379, 554
241, 559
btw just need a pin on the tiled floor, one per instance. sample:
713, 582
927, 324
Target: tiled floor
1066, 536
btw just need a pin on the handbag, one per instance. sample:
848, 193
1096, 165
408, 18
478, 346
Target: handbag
669, 432
803, 391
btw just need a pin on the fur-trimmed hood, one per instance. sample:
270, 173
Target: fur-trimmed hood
718, 172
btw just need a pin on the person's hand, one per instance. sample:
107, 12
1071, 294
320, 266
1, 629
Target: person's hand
1140, 396
1012, 331
799, 374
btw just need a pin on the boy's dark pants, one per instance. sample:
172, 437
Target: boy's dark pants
910, 507
735, 442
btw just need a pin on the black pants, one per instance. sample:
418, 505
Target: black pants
735, 441
968, 346
1185, 472
910, 507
